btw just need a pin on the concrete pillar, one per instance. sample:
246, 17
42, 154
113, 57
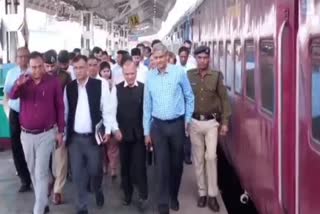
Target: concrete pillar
13, 19
87, 30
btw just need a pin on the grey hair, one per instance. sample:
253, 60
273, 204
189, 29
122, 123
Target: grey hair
160, 47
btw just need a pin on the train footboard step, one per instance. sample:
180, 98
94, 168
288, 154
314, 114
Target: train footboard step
231, 190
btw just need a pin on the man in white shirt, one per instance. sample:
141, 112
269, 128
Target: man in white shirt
86, 104
93, 71
117, 74
184, 61
141, 68
191, 59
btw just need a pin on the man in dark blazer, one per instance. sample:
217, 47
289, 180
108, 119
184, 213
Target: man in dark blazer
132, 147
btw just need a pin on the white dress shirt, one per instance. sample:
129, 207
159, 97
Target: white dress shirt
71, 72
114, 104
82, 120
117, 75
142, 71
191, 63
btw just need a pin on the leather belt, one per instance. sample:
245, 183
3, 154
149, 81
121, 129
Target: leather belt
83, 134
36, 131
168, 121
204, 117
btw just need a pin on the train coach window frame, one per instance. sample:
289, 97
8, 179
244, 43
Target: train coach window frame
238, 71
228, 65
215, 52
250, 61
267, 74
314, 89
221, 58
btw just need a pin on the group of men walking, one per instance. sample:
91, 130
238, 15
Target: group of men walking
56, 110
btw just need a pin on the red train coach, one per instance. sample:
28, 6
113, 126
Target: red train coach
269, 53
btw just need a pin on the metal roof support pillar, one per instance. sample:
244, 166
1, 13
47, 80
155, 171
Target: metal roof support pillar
13, 21
87, 31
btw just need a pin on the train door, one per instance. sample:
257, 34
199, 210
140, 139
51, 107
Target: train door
308, 139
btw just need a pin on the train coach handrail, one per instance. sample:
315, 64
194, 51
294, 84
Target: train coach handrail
279, 104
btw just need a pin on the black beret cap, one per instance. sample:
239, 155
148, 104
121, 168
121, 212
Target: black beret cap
135, 52
50, 57
63, 56
202, 49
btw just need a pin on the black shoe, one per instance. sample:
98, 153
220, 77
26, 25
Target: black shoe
113, 178
25, 188
142, 204
188, 161
46, 210
163, 209
126, 201
174, 205
83, 212
213, 204
100, 199
202, 201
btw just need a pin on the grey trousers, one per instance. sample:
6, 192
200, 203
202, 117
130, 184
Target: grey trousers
37, 150
86, 162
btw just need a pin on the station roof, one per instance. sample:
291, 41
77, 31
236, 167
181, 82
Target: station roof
142, 17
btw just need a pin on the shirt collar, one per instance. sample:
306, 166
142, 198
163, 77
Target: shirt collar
209, 72
85, 83
135, 84
166, 71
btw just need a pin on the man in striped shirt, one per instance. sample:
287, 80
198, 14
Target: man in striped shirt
168, 107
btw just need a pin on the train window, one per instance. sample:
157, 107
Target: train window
215, 56
229, 65
267, 74
237, 67
315, 51
221, 59
250, 68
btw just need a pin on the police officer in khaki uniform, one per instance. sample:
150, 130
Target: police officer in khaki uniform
211, 116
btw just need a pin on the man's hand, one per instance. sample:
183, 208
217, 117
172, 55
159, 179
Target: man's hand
147, 141
22, 80
118, 135
187, 129
59, 139
106, 138
224, 130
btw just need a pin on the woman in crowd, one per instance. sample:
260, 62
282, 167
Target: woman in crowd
112, 148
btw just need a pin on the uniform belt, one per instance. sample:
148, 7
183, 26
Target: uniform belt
36, 131
169, 121
204, 117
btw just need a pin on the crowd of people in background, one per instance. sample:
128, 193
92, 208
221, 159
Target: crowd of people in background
148, 101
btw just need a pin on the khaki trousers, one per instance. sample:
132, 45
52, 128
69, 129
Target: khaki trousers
59, 168
204, 138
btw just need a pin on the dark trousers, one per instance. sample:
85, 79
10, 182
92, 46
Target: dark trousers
168, 138
133, 168
17, 150
86, 163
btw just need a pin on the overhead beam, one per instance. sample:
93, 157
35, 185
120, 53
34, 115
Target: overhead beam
122, 16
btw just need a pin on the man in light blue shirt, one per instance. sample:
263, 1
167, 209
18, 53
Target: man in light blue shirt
167, 111
15, 129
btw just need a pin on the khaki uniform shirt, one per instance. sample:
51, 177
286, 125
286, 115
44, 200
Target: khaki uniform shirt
210, 94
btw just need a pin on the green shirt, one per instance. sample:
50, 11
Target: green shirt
210, 94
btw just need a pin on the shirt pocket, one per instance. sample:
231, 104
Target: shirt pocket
209, 86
